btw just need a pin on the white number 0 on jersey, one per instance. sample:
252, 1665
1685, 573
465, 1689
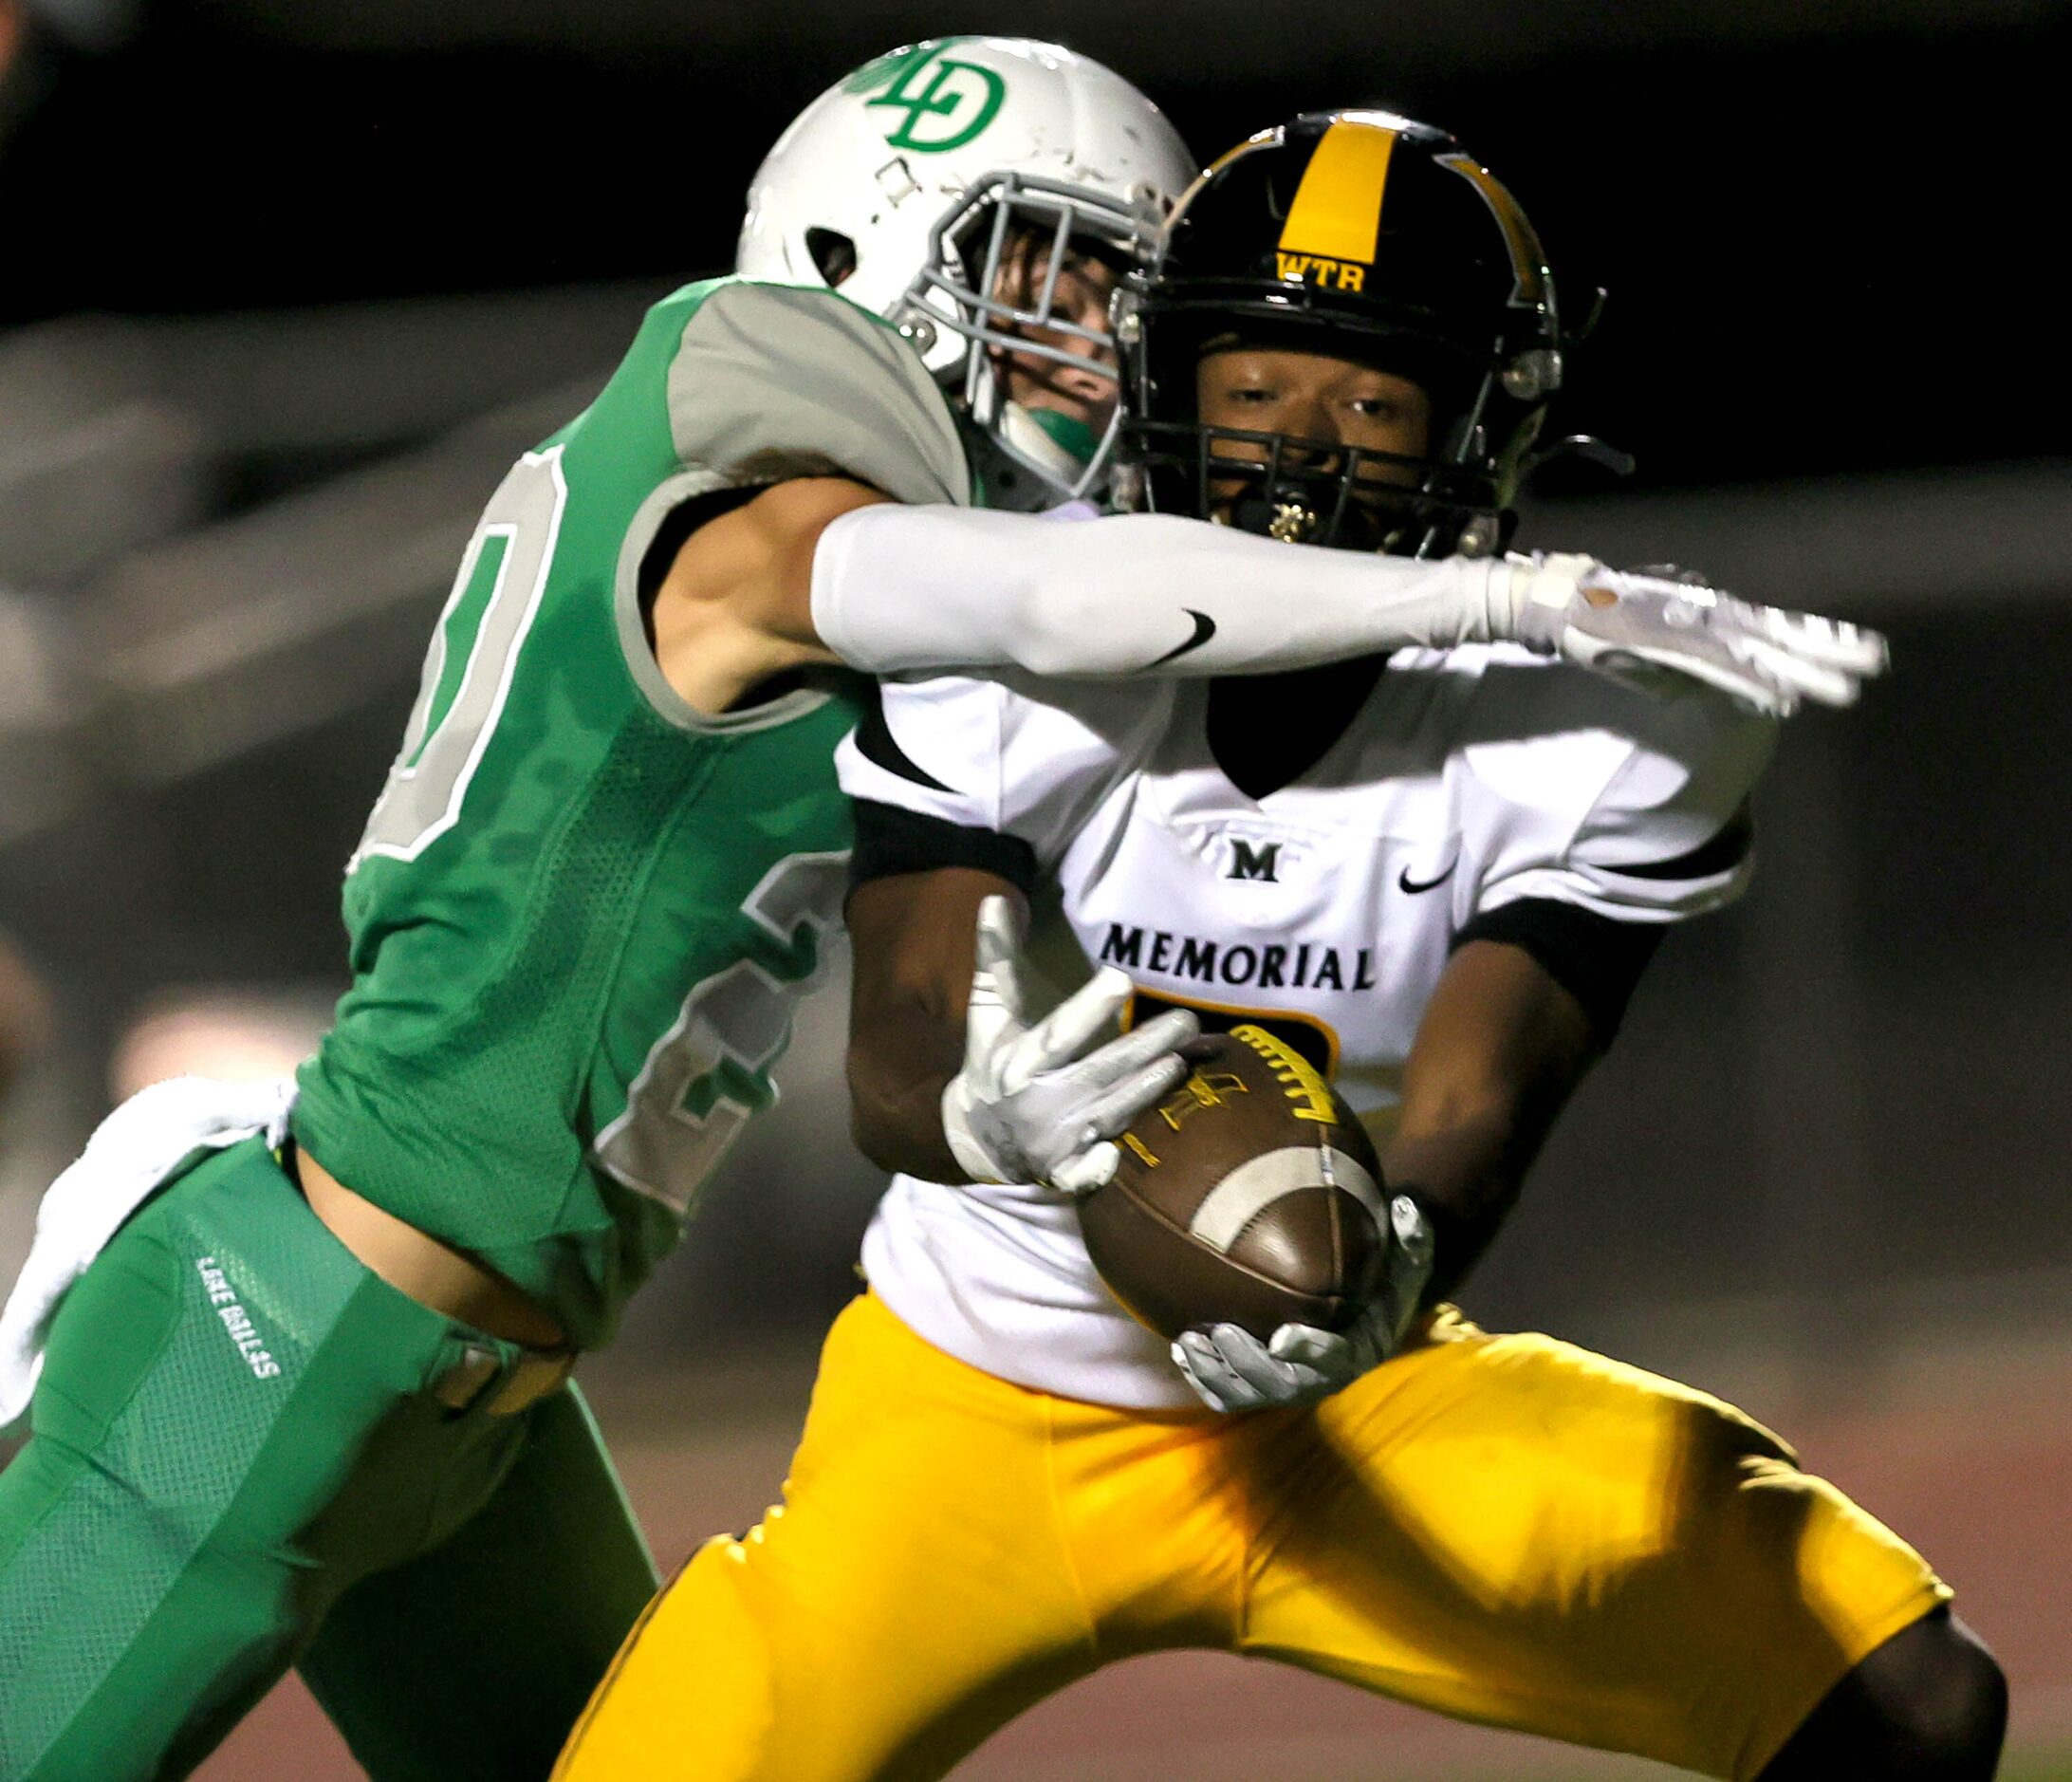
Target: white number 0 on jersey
473, 653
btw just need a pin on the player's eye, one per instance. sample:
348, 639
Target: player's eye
1099, 258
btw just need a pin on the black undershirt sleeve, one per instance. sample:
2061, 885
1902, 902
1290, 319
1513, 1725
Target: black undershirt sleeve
890, 840
1597, 960
676, 526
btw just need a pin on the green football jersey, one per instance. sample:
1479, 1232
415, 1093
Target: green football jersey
581, 910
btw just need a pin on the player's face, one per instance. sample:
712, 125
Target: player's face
1313, 398
1086, 281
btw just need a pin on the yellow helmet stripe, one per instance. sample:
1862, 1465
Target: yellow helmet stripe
1336, 212
1528, 259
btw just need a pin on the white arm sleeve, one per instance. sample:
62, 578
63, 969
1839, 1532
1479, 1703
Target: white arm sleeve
939, 587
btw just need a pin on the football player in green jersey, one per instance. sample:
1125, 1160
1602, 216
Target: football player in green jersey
307, 1399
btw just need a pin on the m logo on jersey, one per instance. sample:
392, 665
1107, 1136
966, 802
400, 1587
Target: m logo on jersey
1249, 863
947, 103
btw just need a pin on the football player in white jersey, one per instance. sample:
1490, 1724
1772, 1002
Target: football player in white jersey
1438, 876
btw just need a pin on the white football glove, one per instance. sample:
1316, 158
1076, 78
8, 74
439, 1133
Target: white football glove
1232, 1370
1648, 629
1025, 1108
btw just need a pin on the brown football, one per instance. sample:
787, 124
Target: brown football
1249, 1195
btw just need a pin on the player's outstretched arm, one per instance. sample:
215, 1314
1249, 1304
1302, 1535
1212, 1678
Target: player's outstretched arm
828, 571
1499, 1052
825, 569
951, 1079
932, 587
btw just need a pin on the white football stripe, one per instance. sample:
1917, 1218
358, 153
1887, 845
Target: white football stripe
1258, 1182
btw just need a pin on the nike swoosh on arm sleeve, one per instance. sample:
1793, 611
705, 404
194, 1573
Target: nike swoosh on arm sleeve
932, 587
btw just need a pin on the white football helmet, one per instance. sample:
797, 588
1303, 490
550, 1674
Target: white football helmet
900, 183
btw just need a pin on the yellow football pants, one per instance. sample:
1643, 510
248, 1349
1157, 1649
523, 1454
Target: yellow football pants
1503, 1528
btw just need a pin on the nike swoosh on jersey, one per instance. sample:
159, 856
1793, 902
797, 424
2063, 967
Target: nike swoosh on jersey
876, 742
1205, 628
1404, 881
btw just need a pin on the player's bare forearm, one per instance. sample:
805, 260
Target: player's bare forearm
1499, 1052
901, 1061
911, 940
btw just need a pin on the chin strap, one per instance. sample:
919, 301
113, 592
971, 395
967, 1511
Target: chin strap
1032, 458
1068, 442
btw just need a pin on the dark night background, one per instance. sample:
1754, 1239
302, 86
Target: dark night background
1826, 250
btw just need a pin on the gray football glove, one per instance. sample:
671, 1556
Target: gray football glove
1648, 630
1232, 1370
1026, 1108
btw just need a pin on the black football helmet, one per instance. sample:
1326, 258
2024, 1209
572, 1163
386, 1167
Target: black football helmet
1361, 235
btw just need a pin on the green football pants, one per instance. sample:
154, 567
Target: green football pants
235, 1465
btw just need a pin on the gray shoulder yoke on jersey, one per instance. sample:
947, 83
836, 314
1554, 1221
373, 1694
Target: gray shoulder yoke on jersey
773, 381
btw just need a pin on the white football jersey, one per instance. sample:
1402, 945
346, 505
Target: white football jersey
1325, 910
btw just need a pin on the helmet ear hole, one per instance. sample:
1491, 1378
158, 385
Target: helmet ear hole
834, 255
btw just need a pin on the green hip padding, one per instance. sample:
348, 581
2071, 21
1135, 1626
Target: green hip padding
232, 1431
